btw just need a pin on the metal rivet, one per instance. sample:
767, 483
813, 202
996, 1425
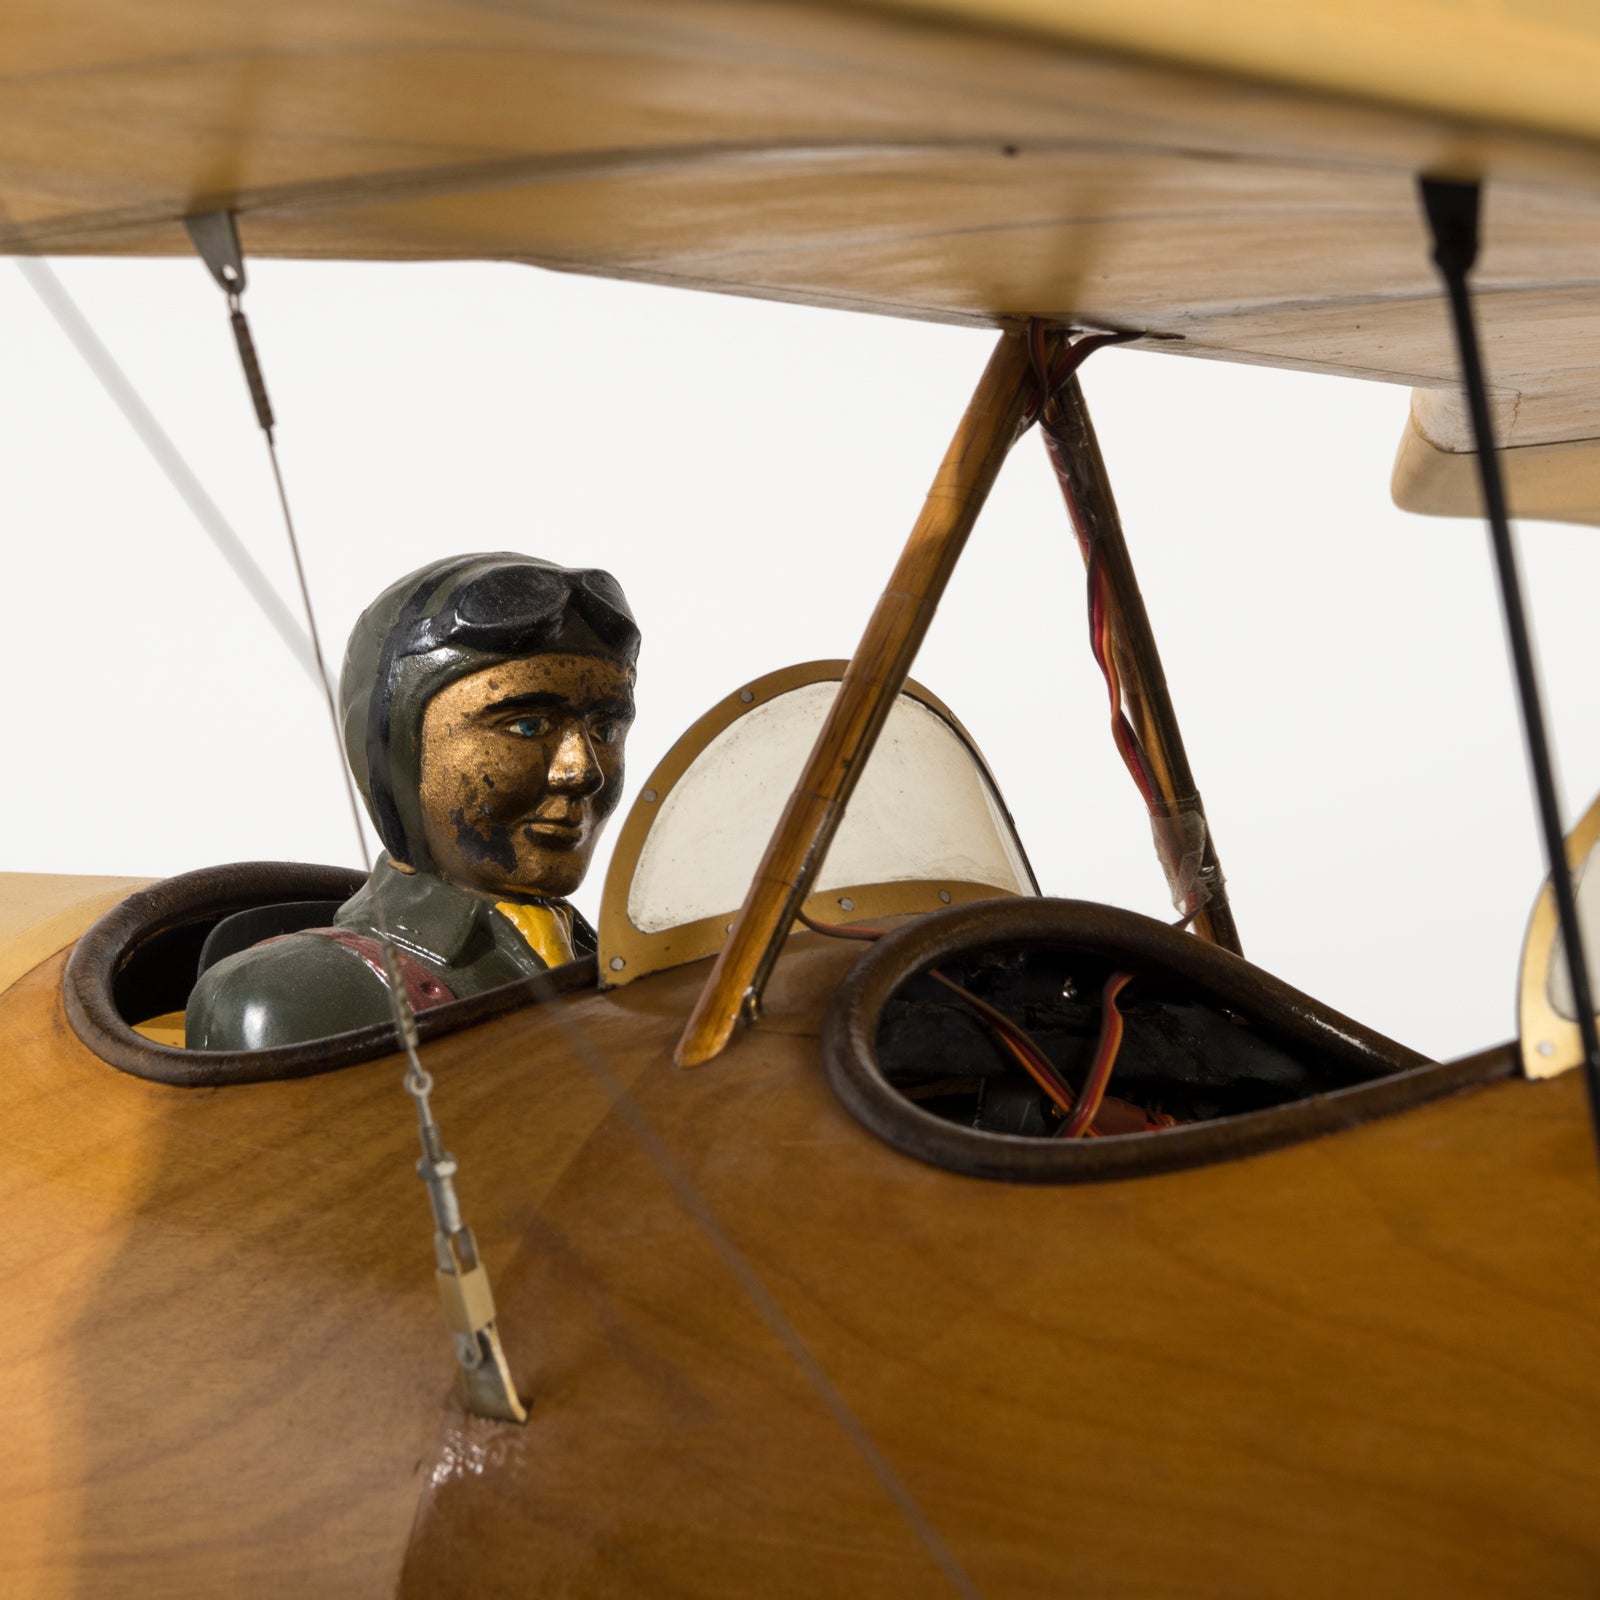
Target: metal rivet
846, 903
944, 895
747, 695
1546, 1048
649, 796
617, 963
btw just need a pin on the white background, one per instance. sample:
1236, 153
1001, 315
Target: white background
749, 472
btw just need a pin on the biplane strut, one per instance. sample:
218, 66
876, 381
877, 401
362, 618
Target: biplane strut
1029, 377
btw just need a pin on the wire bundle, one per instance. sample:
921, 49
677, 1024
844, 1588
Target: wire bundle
1077, 1112
1102, 610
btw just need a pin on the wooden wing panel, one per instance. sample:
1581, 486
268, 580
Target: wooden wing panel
1236, 182
1528, 63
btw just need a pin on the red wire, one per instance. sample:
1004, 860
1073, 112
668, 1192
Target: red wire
1078, 1122
1105, 1058
1126, 740
1032, 1060
1122, 731
1070, 359
840, 930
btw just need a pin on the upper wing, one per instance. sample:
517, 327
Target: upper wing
1236, 179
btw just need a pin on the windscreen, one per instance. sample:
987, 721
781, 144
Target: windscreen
925, 810
1559, 988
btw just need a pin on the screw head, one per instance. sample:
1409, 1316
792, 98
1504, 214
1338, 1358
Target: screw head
944, 896
1546, 1048
649, 797
747, 695
846, 903
617, 963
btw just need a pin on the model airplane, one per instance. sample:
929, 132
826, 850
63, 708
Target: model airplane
809, 1277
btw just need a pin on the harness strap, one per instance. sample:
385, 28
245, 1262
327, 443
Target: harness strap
424, 989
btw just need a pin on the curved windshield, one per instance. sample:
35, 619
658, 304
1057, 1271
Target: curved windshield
926, 825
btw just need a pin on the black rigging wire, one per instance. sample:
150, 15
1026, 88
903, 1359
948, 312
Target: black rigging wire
1452, 213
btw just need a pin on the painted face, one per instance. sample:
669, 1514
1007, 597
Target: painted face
521, 766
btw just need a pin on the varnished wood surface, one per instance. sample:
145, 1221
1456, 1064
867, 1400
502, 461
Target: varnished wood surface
221, 1361
1509, 60
1545, 482
1236, 181
42, 912
1363, 1365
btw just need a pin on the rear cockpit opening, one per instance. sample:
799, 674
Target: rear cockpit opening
1059, 1041
1169, 1056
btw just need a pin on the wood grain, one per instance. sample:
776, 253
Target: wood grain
42, 912
1358, 1365
1227, 182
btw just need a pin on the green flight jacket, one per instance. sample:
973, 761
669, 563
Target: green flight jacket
307, 986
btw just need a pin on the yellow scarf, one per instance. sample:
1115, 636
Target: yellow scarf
548, 929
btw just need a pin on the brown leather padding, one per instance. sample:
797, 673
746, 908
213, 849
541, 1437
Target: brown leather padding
207, 896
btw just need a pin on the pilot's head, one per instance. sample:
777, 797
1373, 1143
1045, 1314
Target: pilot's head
486, 701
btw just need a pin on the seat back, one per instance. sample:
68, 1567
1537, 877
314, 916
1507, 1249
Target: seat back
245, 928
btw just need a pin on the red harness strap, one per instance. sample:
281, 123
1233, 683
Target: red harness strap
424, 989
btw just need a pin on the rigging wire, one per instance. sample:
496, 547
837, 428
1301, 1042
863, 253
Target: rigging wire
1451, 210
69, 318
476, 1339
419, 1084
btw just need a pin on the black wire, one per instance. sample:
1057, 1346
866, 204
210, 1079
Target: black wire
1452, 211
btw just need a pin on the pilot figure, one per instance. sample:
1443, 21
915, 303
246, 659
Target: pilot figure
485, 703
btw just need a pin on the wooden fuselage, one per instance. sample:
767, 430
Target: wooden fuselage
1360, 1364
1355, 1365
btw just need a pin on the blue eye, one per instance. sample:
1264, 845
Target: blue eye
529, 727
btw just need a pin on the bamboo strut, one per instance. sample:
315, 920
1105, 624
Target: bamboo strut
993, 421
1074, 450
